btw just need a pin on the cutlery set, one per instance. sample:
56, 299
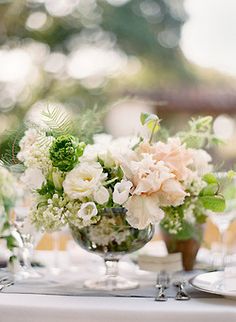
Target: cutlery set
163, 283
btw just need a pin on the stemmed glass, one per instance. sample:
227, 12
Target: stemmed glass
30, 238
223, 220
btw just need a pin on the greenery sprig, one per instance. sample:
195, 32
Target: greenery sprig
200, 133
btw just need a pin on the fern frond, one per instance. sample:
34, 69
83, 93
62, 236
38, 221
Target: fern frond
57, 121
10, 149
90, 122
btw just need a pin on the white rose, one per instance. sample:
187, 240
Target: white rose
83, 180
87, 211
101, 196
143, 210
121, 192
33, 178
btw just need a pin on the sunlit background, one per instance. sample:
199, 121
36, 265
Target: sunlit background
172, 57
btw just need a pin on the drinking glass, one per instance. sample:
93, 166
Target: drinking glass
223, 220
30, 238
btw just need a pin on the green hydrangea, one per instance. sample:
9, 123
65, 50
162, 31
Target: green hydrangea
65, 151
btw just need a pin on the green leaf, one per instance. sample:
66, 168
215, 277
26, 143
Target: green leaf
210, 190
57, 121
11, 242
143, 118
210, 178
214, 203
203, 122
152, 121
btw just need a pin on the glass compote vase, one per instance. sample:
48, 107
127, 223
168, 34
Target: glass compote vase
112, 237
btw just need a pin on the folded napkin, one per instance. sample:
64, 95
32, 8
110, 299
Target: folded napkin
169, 263
230, 278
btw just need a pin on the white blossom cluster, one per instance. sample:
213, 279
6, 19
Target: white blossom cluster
34, 150
49, 214
81, 215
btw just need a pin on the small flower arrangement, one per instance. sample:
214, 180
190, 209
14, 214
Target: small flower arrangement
168, 181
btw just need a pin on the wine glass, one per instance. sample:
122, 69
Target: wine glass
30, 237
223, 220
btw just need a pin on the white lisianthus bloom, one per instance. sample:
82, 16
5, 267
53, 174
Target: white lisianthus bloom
87, 211
143, 210
83, 180
33, 178
90, 153
101, 196
121, 192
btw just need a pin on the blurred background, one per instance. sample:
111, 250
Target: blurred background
175, 58
172, 57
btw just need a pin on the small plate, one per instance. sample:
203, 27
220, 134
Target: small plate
212, 283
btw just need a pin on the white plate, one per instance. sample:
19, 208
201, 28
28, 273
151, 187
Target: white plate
212, 282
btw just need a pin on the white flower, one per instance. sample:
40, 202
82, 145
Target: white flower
33, 178
201, 161
90, 153
121, 192
101, 196
103, 139
108, 150
34, 150
143, 210
26, 143
87, 211
83, 180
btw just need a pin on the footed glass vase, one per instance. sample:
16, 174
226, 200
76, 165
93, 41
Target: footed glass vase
112, 237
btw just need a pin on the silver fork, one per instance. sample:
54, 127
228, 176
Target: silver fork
162, 283
5, 282
181, 295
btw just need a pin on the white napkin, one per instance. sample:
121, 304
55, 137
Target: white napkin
169, 263
230, 278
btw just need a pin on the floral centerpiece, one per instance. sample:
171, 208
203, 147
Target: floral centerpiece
112, 192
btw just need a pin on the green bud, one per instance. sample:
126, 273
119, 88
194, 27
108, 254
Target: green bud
57, 178
65, 151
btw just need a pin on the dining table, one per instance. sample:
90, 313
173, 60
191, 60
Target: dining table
59, 295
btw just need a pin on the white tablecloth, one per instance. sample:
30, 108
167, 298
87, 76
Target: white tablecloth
47, 308
54, 308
